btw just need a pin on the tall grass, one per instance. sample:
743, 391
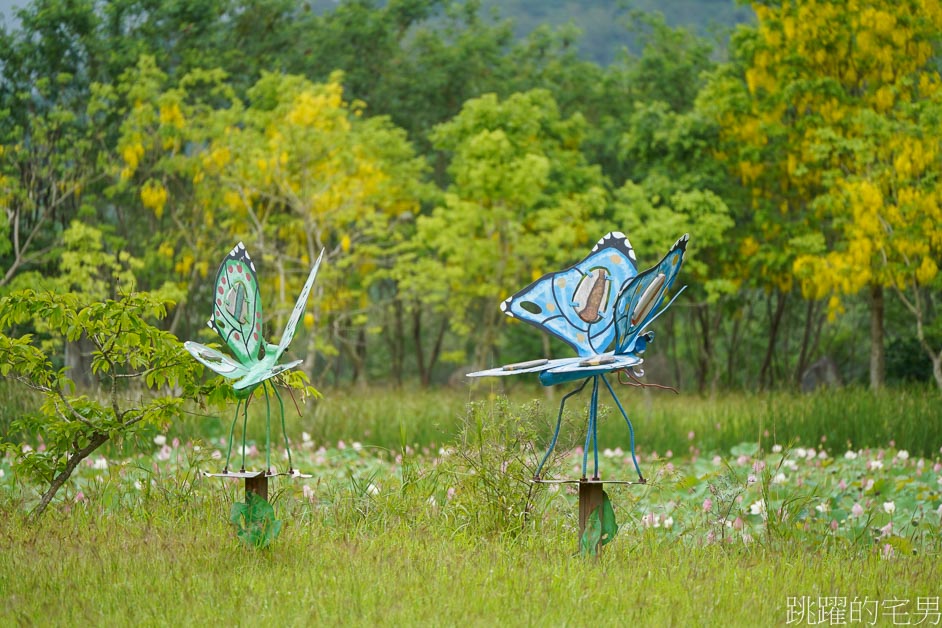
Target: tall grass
910, 418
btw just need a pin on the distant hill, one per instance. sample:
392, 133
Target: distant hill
605, 24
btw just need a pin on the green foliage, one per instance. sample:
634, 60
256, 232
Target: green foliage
143, 377
255, 521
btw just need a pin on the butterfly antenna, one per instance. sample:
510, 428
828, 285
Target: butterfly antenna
295, 401
634, 381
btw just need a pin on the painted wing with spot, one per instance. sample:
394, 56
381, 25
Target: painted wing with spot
639, 301
577, 304
299, 307
237, 306
218, 362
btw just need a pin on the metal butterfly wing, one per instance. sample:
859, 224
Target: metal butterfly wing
600, 307
577, 304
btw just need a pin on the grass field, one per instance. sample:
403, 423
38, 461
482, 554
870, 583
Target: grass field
419, 513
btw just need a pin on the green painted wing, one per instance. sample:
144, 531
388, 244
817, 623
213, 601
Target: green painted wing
237, 306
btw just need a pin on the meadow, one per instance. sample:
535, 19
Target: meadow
759, 509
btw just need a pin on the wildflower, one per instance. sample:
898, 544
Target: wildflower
842, 485
669, 468
738, 523
160, 440
887, 552
742, 460
780, 478
868, 485
308, 493
811, 454
216, 455
649, 520
822, 455
450, 494
691, 435
834, 525
886, 530
746, 539
2, 473
776, 449
757, 507
800, 452
305, 437
850, 455
341, 445
608, 453
432, 501
791, 465
710, 537
176, 443
79, 497
708, 505
372, 489
856, 510
889, 507
26, 448
937, 467
874, 465
758, 466
357, 446
751, 479
902, 454
100, 464
717, 461
823, 507
668, 522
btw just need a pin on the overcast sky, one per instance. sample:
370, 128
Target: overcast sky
6, 9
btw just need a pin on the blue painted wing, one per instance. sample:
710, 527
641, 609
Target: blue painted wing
578, 304
639, 300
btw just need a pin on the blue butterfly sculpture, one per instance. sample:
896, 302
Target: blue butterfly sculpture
237, 318
601, 307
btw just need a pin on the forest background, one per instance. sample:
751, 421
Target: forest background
448, 153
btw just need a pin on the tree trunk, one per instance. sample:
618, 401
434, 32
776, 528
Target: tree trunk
877, 355
805, 352
766, 376
96, 441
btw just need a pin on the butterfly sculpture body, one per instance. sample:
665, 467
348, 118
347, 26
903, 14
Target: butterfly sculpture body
237, 318
602, 307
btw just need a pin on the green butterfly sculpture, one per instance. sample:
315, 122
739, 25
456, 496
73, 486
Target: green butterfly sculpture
237, 318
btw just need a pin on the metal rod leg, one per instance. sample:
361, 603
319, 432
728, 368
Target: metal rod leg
594, 420
231, 434
631, 430
284, 432
267, 429
559, 420
245, 420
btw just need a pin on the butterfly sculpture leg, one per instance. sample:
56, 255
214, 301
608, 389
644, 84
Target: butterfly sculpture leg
592, 429
243, 404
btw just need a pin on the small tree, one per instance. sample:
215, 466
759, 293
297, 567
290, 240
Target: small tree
143, 374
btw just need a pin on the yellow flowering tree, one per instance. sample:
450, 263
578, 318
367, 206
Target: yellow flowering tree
294, 169
831, 126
